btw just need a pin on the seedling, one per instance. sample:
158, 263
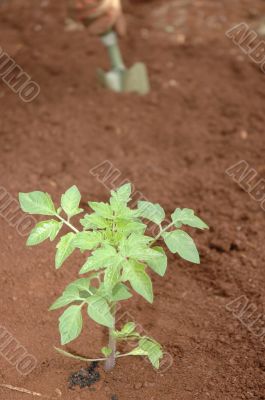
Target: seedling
119, 256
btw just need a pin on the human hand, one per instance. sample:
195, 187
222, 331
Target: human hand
99, 15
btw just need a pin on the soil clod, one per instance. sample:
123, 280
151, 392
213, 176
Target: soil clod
85, 377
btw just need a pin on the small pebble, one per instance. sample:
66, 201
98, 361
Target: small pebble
243, 134
180, 38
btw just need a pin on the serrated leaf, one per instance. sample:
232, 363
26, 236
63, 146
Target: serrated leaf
153, 350
134, 244
123, 193
128, 228
158, 264
186, 216
150, 211
137, 247
44, 230
87, 240
127, 332
102, 209
139, 280
119, 200
120, 292
99, 310
64, 249
37, 203
180, 242
94, 221
101, 258
70, 201
124, 213
70, 324
137, 240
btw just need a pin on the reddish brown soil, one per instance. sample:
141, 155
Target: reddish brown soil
174, 145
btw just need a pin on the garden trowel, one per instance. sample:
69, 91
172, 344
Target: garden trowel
120, 78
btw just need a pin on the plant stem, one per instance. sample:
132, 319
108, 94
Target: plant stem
110, 362
67, 223
162, 231
67, 354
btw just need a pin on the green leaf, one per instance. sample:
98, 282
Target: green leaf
75, 291
112, 276
180, 242
186, 216
123, 193
119, 200
137, 247
101, 258
158, 264
99, 310
153, 212
70, 201
64, 249
64, 300
136, 240
153, 350
124, 213
106, 351
87, 240
102, 209
128, 331
128, 328
80, 285
134, 244
70, 324
139, 280
56, 229
37, 203
44, 230
132, 227
94, 221
120, 292
137, 352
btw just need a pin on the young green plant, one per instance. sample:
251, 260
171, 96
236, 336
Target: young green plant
118, 255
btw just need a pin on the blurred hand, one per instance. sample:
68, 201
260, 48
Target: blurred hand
99, 15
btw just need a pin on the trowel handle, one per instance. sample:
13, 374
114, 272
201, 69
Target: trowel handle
110, 40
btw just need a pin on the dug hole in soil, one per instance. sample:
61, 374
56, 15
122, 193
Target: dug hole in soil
205, 113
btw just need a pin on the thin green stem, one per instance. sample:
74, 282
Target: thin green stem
67, 223
67, 354
162, 231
